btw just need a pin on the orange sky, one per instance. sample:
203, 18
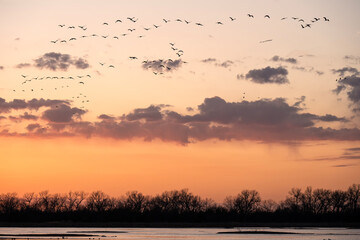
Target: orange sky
228, 112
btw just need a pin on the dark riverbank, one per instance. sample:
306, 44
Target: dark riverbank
182, 224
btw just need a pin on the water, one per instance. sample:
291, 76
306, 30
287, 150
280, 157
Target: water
187, 233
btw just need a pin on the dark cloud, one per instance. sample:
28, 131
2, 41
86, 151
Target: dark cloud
35, 104
267, 120
225, 64
280, 59
2, 117
58, 61
152, 113
105, 117
23, 65
190, 109
25, 116
351, 85
343, 71
268, 75
161, 65
62, 114
33, 126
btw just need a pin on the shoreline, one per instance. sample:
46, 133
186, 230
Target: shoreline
355, 225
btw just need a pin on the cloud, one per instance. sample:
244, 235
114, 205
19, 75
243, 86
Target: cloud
209, 60
35, 104
280, 59
225, 64
308, 69
161, 65
268, 75
351, 84
344, 165
23, 65
152, 113
352, 59
32, 126
58, 61
25, 116
105, 117
267, 120
344, 70
62, 114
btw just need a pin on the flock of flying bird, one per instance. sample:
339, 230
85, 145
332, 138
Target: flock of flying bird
160, 65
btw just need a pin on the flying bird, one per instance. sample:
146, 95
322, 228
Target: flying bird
199, 24
111, 66
250, 15
326, 19
232, 19
187, 22
283, 18
156, 26
118, 21
71, 39
105, 23
220, 23
178, 20
105, 36
266, 16
166, 21
81, 83
61, 25
132, 57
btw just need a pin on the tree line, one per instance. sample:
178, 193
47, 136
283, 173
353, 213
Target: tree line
311, 205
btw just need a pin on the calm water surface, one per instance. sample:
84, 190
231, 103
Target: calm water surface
190, 233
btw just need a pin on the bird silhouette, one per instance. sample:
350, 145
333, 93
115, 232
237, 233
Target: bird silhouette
166, 21
118, 21
187, 22
61, 25
250, 15
326, 19
220, 23
232, 19
266, 16
105, 23
156, 26
199, 24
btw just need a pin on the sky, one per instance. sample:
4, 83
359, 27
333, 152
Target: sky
213, 96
